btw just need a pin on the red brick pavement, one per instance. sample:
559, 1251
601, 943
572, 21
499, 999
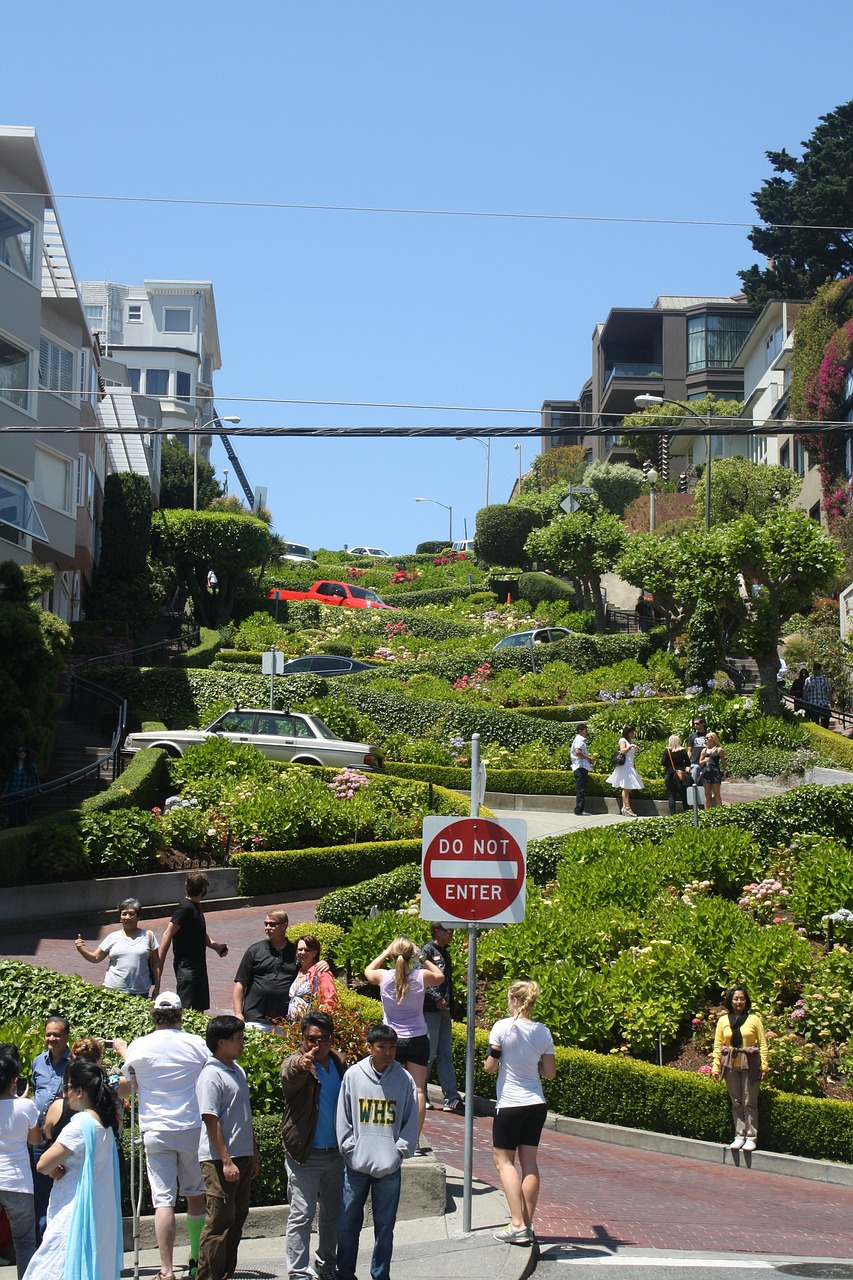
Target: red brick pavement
239, 928
595, 1194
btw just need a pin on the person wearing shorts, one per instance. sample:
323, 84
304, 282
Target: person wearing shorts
401, 989
520, 1051
163, 1068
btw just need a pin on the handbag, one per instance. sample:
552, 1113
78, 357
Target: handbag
617, 758
679, 773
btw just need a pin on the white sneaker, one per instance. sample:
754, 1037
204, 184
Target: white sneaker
749, 1145
739, 1141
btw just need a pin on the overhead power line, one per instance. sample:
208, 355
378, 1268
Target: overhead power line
431, 213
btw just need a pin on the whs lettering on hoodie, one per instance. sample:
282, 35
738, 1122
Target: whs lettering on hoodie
377, 1110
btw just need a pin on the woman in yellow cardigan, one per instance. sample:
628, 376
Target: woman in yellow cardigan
740, 1057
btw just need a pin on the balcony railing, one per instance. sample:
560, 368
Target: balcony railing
632, 369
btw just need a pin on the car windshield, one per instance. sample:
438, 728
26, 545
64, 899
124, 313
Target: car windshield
297, 549
362, 593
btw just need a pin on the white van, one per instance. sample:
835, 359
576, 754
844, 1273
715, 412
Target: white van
465, 544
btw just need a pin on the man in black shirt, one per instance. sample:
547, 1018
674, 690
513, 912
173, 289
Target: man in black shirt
263, 981
695, 743
438, 1014
188, 931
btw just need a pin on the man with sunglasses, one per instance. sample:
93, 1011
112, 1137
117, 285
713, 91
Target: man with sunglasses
311, 1081
264, 978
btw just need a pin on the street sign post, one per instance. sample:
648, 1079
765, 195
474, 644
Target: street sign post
473, 874
272, 665
570, 503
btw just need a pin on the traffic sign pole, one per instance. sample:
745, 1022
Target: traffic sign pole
468, 1156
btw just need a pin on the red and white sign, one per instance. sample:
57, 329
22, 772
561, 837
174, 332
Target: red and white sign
473, 870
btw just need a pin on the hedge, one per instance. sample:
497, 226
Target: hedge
611, 1089
142, 785
429, 595
386, 892
831, 744
524, 782
263, 873
202, 654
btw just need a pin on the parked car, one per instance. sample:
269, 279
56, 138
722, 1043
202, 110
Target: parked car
466, 545
324, 664
339, 593
375, 552
280, 735
539, 635
296, 553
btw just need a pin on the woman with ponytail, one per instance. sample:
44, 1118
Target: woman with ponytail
740, 1057
401, 989
521, 1051
80, 1242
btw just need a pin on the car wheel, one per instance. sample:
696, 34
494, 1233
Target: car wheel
304, 760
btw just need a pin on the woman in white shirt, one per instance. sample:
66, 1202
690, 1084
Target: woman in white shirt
521, 1051
134, 954
18, 1126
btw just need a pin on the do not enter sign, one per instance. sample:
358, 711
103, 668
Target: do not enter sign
473, 870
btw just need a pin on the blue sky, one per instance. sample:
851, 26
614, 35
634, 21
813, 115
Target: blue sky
660, 110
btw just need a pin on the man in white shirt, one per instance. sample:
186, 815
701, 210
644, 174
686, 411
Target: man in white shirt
164, 1068
581, 767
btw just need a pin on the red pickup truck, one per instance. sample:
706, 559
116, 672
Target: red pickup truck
340, 593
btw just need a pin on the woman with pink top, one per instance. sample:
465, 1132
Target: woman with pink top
402, 993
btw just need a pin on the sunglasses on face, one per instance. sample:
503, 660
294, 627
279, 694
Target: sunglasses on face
317, 1039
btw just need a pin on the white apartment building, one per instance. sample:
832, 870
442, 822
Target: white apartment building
165, 334
52, 460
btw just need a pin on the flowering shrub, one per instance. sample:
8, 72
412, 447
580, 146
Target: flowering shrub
345, 784
479, 681
394, 629
404, 575
765, 900
825, 1010
352, 572
795, 1065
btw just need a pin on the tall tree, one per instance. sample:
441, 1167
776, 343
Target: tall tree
805, 208
583, 546
176, 478
740, 487
194, 542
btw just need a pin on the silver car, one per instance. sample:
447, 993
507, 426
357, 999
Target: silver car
280, 735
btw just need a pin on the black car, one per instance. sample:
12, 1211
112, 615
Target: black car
324, 664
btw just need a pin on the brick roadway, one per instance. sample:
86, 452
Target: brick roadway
594, 1194
238, 927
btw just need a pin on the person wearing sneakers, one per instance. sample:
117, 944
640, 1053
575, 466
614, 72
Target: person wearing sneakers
521, 1051
438, 1014
164, 1067
740, 1057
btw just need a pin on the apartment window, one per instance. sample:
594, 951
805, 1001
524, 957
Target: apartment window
14, 374
157, 382
19, 520
814, 512
16, 242
183, 385
95, 316
713, 341
785, 455
177, 320
53, 480
56, 368
799, 459
133, 376
134, 312
773, 346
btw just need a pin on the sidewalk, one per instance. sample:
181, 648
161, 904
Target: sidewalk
424, 1248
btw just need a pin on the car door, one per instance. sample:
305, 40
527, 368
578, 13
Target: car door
236, 726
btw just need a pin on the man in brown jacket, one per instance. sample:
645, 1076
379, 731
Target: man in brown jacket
311, 1080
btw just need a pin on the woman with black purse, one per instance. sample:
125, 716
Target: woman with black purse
676, 772
624, 773
712, 769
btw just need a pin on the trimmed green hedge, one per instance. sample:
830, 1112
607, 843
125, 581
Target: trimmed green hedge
387, 892
203, 653
429, 595
262, 873
140, 786
524, 782
839, 749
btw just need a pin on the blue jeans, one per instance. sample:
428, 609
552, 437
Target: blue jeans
439, 1030
384, 1199
22, 1220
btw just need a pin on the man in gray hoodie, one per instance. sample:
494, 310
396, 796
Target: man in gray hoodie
377, 1127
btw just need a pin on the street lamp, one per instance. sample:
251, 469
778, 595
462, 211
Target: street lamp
652, 477
646, 401
231, 419
487, 445
517, 447
447, 508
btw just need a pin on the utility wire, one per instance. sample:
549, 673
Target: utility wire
434, 213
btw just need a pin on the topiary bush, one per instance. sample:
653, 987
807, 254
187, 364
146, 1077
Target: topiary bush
386, 892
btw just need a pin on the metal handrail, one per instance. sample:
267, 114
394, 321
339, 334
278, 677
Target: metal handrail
177, 644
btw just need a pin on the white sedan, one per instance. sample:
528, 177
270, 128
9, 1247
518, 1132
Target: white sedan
280, 735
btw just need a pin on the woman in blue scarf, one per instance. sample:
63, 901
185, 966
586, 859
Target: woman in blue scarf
80, 1244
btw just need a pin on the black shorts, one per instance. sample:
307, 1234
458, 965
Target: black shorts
415, 1049
519, 1126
